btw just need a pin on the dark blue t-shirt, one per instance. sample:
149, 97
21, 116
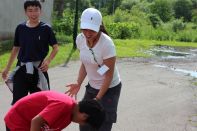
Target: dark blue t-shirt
33, 42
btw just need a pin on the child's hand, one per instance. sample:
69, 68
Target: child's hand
5, 74
45, 65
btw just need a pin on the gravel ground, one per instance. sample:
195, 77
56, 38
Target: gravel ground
152, 98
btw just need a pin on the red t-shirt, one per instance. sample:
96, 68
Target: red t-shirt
56, 108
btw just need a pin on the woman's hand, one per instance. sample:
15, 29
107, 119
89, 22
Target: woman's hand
73, 90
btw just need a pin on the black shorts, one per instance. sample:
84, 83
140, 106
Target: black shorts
109, 100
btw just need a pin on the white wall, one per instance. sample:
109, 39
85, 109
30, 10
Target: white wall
12, 13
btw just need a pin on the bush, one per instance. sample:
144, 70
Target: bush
160, 34
184, 36
65, 24
183, 8
194, 19
195, 39
155, 20
128, 4
5, 46
163, 8
63, 39
123, 30
121, 16
178, 25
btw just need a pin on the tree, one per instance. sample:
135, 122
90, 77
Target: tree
83, 4
59, 7
109, 6
163, 9
113, 5
75, 28
128, 4
183, 8
155, 20
194, 3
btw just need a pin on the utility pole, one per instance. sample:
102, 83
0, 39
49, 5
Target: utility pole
75, 28
99, 4
113, 7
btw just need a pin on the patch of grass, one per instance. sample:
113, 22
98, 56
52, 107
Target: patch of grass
124, 48
176, 44
60, 58
195, 83
63, 54
138, 48
5, 46
132, 48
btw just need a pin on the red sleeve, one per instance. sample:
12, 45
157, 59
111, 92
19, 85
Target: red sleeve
53, 112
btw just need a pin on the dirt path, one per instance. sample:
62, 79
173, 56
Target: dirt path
152, 98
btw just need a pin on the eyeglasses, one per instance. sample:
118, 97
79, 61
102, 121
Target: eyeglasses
91, 50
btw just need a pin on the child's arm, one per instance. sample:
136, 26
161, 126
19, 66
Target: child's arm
13, 55
36, 123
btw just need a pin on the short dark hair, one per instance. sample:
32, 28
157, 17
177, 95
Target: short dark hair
94, 110
32, 3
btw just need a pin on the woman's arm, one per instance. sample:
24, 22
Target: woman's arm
74, 88
110, 63
82, 74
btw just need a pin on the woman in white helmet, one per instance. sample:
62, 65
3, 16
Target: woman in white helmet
98, 57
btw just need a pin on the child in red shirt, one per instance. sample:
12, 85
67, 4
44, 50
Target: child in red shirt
49, 110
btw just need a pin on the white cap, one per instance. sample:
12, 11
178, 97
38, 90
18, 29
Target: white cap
91, 19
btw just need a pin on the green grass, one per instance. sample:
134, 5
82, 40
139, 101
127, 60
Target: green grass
125, 48
137, 48
132, 48
60, 58
63, 55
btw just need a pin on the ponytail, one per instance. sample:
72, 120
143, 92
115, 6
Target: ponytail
102, 29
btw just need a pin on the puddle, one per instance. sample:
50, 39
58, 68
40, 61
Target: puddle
186, 72
172, 52
167, 52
